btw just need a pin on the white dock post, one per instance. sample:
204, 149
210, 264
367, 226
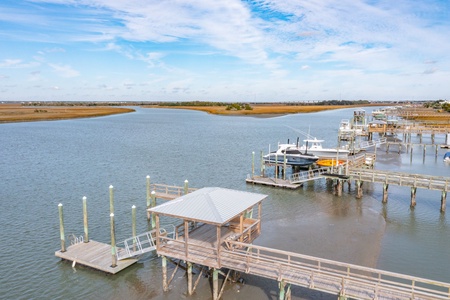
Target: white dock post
111, 199
186, 187
61, 228
113, 242
148, 196
85, 221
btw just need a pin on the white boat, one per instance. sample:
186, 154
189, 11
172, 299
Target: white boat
447, 157
314, 146
292, 154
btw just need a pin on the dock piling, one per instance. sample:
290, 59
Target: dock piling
133, 225
443, 200
153, 204
148, 196
85, 220
385, 192
186, 187
111, 199
215, 279
61, 228
164, 271
413, 196
113, 242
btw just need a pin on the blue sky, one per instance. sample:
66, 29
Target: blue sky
213, 50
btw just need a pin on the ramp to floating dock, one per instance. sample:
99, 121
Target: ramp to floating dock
272, 182
95, 255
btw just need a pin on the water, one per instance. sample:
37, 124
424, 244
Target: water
46, 163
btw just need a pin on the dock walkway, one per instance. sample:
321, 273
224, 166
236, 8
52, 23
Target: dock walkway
439, 183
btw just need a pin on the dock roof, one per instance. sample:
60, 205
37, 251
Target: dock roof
211, 205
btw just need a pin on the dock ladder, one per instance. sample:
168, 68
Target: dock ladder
141, 244
304, 176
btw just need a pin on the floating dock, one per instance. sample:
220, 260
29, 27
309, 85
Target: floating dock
95, 255
282, 183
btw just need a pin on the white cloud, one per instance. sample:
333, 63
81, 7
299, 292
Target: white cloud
64, 70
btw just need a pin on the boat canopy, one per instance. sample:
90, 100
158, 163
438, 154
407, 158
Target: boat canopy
447, 155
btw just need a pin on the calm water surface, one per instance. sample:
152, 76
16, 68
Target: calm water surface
46, 163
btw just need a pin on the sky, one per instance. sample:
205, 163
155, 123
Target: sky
224, 50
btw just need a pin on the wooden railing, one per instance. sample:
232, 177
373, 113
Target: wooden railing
329, 276
173, 191
403, 179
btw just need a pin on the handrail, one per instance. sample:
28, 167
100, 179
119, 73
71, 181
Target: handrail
372, 279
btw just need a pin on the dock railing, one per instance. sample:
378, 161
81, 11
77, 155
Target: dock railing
163, 190
330, 276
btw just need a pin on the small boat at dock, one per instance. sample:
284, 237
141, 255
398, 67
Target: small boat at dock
292, 154
329, 162
314, 146
447, 157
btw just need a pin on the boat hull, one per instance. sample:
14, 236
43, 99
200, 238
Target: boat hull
290, 160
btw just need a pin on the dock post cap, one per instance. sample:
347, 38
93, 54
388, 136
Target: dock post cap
153, 192
134, 206
60, 204
186, 180
84, 198
111, 215
111, 186
148, 176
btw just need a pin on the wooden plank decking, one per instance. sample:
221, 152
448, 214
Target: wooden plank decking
95, 255
272, 182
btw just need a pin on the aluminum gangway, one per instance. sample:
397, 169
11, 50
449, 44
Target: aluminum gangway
305, 176
368, 144
142, 243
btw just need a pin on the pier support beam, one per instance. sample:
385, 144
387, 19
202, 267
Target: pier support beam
153, 196
189, 277
148, 196
385, 192
215, 284
164, 271
443, 200
413, 196
338, 187
285, 293
359, 191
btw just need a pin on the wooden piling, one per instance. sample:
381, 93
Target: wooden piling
113, 242
133, 225
61, 228
85, 221
411, 154
262, 164
148, 196
413, 196
153, 204
189, 276
359, 191
215, 284
253, 164
111, 199
186, 187
281, 285
164, 271
443, 200
385, 192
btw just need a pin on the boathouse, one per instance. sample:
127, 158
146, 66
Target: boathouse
210, 217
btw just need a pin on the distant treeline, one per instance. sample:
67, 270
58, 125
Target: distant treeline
244, 105
439, 105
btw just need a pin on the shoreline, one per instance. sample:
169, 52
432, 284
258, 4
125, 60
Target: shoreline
13, 113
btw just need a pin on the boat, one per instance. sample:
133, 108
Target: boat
292, 154
314, 146
447, 157
329, 162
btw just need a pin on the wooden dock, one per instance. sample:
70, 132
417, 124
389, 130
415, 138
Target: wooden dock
275, 182
95, 255
169, 192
